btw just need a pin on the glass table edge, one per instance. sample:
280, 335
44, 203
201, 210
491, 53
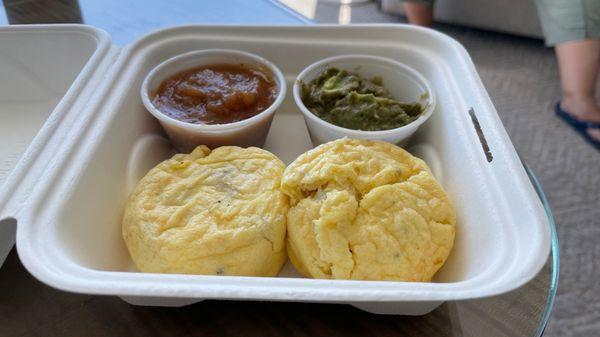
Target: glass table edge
554, 251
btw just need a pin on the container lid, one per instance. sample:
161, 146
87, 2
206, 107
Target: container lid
39, 64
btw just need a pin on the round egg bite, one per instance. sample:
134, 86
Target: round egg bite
366, 210
214, 213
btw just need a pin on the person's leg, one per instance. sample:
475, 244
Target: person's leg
419, 12
573, 28
579, 63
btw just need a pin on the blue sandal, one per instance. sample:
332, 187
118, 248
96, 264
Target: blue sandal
580, 126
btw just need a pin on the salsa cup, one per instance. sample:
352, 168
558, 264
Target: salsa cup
186, 136
403, 82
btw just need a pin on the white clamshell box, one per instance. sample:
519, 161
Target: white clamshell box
64, 189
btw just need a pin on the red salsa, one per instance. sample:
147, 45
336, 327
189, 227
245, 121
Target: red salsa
216, 94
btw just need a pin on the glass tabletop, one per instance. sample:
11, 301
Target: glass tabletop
522, 312
127, 20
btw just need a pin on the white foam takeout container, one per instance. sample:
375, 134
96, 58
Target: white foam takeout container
67, 192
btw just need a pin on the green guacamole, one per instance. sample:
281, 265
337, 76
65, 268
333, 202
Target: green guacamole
347, 100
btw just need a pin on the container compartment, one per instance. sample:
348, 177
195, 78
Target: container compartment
73, 241
38, 65
37, 69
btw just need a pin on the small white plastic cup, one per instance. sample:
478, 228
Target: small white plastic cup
403, 82
186, 136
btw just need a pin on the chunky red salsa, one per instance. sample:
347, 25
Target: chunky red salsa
216, 94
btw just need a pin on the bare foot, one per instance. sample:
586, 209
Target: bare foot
583, 110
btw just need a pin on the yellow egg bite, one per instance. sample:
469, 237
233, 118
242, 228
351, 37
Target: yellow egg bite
366, 210
215, 213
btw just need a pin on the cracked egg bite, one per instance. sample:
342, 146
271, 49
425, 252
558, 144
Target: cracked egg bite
366, 210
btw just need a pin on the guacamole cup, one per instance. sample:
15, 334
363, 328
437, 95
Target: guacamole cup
403, 82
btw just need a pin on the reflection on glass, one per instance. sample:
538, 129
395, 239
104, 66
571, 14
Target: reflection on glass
42, 11
308, 8
345, 15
